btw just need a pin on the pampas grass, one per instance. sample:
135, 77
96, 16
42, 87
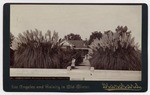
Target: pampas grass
116, 51
37, 51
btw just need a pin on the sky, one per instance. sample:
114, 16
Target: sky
78, 19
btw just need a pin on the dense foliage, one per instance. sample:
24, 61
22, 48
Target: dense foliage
11, 51
38, 51
72, 36
95, 35
116, 51
11, 38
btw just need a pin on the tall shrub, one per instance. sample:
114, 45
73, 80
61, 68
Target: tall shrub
36, 50
116, 51
11, 50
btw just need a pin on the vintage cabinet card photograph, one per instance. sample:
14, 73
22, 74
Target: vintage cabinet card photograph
75, 47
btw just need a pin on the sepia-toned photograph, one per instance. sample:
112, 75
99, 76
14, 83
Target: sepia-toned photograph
76, 42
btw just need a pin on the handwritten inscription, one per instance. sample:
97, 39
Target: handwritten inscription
121, 86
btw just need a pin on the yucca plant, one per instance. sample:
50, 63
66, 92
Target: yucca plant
38, 51
116, 51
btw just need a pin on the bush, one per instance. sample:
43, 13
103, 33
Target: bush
78, 57
38, 51
11, 57
11, 50
116, 51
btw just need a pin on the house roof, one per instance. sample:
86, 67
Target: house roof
77, 43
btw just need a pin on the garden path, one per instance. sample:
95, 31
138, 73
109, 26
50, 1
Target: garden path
84, 65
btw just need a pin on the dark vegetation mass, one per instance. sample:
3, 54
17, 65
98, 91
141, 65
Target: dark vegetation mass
116, 51
108, 51
72, 36
94, 35
38, 51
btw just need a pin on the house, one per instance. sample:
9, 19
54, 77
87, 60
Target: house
78, 45
75, 44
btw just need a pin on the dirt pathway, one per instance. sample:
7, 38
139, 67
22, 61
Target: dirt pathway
85, 65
